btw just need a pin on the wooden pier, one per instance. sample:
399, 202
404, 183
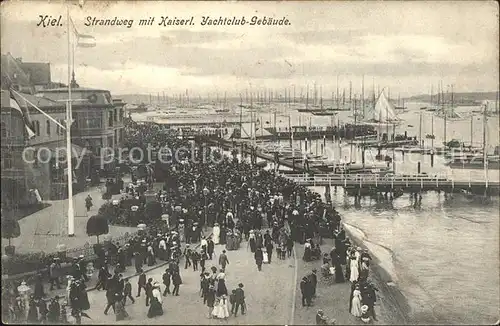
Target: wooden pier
406, 183
372, 182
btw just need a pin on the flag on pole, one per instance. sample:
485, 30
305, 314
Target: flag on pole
82, 40
85, 41
30, 130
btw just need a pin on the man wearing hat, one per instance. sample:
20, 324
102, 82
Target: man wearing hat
187, 256
54, 310
223, 261
313, 279
82, 264
55, 273
210, 247
239, 300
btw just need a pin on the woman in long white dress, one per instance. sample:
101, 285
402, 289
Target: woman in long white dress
356, 302
265, 256
221, 310
216, 233
354, 270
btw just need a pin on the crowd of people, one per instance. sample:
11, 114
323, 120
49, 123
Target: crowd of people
344, 262
239, 200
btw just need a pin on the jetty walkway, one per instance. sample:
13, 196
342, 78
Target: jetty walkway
388, 183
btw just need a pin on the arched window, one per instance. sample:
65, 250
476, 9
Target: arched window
47, 123
36, 124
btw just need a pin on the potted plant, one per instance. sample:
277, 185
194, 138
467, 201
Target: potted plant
10, 230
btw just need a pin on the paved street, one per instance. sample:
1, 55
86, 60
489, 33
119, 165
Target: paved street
41, 231
268, 295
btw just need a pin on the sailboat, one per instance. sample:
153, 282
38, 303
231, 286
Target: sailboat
449, 112
476, 160
383, 113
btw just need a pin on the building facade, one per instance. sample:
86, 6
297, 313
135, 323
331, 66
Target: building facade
40, 163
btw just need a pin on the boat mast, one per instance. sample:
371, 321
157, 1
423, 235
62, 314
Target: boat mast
445, 115
338, 92
354, 132
321, 97
452, 108
315, 95
432, 91
350, 94
420, 130
241, 114
363, 95
471, 130
432, 131
485, 152
307, 97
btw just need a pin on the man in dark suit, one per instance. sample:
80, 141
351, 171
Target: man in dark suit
127, 292
239, 300
269, 249
210, 247
141, 283
305, 289
166, 282
223, 261
289, 246
313, 279
149, 290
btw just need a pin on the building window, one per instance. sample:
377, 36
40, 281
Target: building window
110, 119
116, 115
36, 124
48, 127
4, 130
89, 120
6, 160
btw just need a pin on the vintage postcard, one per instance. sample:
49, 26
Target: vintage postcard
250, 162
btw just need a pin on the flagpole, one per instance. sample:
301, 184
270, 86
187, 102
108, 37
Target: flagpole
71, 213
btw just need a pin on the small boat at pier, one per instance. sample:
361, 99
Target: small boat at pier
474, 162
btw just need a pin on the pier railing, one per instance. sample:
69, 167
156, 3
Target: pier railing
435, 181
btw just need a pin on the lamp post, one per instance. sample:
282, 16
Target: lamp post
205, 194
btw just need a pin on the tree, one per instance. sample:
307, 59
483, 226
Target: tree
153, 211
10, 228
97, 225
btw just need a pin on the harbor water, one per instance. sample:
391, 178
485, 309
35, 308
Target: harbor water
443, 254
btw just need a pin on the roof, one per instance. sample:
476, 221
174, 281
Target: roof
39, 101
12, 71
38, 72
74, 90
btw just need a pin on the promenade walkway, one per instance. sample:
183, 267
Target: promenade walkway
268, 294
332, 298
46, 228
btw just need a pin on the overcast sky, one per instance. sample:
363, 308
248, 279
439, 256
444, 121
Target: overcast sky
404, 46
